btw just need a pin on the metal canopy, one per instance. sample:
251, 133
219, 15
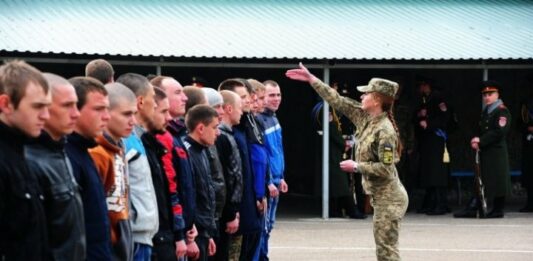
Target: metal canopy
302, 29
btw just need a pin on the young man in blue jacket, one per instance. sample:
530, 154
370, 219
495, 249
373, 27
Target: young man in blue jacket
274, 144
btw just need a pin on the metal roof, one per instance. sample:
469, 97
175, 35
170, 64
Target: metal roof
334, 29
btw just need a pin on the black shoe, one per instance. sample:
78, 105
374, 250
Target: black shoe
466, 213
437, 212
357, 215
495, 214
335, 214
423, 210
526, 209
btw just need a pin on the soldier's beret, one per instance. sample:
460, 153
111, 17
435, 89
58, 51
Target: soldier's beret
490, 86
383, 86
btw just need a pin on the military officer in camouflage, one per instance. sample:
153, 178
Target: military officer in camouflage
376, 153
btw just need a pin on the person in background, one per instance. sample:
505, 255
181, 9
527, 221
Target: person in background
178, 167
276, 157
110, 161
48, 160
101, 70
232, 168
491, 144
93, 104
431, 134
143, 215
202, 125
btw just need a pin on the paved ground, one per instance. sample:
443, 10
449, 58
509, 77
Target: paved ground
300, 235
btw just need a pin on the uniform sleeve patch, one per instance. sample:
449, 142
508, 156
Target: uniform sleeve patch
387, 154
442, 106
502, 121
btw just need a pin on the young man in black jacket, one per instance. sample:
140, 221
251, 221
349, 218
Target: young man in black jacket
93, 105
202, 124
230, 159
48, 160
24, 102
164, 240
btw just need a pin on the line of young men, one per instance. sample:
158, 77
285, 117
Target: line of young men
108, 179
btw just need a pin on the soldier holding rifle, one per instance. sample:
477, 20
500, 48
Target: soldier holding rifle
492, 146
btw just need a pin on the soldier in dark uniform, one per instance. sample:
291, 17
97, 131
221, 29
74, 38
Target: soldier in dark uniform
494, 160
340, 192
527, 152
430, 130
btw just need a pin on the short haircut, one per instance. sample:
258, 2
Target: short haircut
229, 97
199, 114
55, 81
15, 76
118, 92
159, 95
84, 86
256, 86
158, 81
271, 82
230, 84
195, 96
100, 69
150, 76
137, 83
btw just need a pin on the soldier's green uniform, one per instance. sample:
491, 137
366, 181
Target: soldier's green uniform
376, 155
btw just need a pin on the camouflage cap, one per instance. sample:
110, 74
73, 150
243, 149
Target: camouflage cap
382, 86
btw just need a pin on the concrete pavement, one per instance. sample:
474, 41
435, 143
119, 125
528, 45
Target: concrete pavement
421, 238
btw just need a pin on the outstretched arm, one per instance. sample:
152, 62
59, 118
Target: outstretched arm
349, 107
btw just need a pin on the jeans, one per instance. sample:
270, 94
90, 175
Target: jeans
142, 252
270, 219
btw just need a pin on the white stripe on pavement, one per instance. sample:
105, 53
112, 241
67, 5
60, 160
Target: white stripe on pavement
407, 249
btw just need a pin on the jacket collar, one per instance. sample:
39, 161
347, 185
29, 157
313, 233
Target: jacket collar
12, 136
46, 140
268, 112
82, 142
108, 144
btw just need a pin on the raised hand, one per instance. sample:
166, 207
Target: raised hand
301, 74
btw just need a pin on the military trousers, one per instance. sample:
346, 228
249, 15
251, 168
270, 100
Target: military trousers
388, 215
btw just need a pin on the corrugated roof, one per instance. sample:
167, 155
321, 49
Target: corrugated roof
335, 29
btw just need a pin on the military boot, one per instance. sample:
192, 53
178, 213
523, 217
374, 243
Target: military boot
470, 211
497, 210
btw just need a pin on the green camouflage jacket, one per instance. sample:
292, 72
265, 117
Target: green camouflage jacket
376, 152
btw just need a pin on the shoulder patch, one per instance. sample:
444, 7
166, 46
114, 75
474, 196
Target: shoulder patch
502, 106
443, 107
502, 121
387, 154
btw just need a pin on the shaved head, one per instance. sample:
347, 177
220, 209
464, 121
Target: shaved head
118, 92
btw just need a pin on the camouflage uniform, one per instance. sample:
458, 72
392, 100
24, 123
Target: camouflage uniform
376, 155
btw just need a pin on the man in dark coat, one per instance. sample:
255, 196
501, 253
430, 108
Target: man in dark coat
24, 101
494, 160
340, 194
527, 152
430, 130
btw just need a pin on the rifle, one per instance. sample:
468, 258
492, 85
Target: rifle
479, 189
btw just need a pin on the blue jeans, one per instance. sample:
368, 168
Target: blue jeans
142, 252
270, 219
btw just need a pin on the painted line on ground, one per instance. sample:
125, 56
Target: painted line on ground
517, 251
